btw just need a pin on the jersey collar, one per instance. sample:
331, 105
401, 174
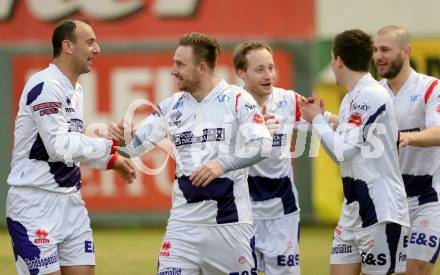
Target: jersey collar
61, 77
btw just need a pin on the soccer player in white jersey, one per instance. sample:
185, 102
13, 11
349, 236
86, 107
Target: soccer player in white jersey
417, 101
273, 193
209, 121
370, 234
46, 218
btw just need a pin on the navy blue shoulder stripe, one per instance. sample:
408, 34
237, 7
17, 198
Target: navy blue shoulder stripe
34, 93
373, 118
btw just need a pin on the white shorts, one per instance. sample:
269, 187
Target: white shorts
208, 250
379, 248
424, 237
48, 230
277, 245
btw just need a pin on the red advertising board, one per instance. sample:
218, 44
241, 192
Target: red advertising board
118, 80
116, 20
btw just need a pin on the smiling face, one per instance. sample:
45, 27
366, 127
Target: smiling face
184, 69
388, 55
85, 48
259, 76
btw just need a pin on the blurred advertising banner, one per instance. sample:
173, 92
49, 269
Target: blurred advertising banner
118, 82
138, 20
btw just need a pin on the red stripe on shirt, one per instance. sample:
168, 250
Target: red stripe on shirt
298, 111
430, 89
236, 102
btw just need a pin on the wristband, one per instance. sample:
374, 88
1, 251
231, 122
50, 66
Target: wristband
112, 161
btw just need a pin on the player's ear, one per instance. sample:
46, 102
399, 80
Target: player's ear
67, 46
407, 51
241, 73
203, 67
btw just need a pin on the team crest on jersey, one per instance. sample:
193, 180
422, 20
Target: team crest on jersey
438, 109
258, 118
41, 236
166, 246
356, 119
370, 243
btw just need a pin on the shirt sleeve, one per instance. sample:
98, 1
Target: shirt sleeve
432, 109
62, 138
251, 121
148, 134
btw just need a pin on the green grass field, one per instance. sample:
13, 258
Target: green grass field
134, 251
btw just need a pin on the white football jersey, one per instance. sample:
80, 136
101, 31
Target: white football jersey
48, 139
373, 187
417, 106
201, 131
271, 184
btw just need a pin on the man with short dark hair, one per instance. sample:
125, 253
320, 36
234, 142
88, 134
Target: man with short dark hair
46, 216
417, 101
217, 129
370, 236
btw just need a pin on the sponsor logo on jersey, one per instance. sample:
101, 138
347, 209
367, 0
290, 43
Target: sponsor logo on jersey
356, 119
360, 107
46, 105
418, 238
47, 108
414, 98
258, 118
75, 125
170, 271
281, 103
166, 246
179, 104
222, 98
210, 134
89, 247
37, 262
341, 249
338, 230
175, 118
242, 260
41, 236
157, 111
372, 259
250, 107
279, 140
288, 260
